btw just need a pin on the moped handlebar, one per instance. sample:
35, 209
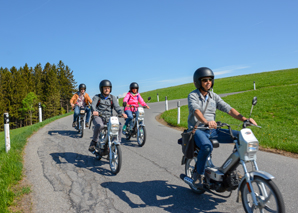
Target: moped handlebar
248, 123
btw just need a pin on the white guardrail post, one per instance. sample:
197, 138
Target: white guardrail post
6, 132
157, 97
178, 119
40, 112
254, 85
166, 103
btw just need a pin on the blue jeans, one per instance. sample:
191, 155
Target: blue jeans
202, 141
77, 112
130, 116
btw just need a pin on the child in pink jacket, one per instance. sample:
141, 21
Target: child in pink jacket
131, 103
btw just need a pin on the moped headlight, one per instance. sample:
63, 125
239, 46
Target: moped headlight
82, 111
115, 127
252, 147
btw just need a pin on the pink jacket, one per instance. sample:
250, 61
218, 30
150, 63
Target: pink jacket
133, 100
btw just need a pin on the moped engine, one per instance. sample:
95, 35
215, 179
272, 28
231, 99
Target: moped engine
232, 179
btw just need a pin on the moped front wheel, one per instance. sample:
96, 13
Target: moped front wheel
115, 158
141, 138
190, 166
82, 127
267, 194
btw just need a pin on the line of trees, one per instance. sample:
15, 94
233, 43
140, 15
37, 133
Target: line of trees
21, 90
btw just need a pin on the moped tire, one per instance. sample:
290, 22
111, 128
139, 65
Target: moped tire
268, 196
82, 128
127, 136
190, 166
116, 159
141, 136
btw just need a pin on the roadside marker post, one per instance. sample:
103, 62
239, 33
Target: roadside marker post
6, 132
40, 112
178, 119
166, 103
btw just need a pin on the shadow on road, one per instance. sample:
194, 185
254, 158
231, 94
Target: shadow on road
132, 142
68, 133
159, 193
82, 161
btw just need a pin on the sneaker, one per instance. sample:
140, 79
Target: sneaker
124, 130
87, 125
92, 146
198, 181
74, 124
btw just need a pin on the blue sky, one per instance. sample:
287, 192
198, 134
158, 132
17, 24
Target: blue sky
156, 43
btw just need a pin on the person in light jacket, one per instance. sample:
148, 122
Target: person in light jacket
202, 106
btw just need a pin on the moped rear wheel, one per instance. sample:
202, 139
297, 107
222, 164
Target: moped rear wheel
267, 194
115, 158
141, 138
190, 166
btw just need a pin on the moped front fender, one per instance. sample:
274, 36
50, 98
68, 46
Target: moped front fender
253, 174
115, 142
183, 160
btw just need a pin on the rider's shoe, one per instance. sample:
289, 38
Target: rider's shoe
87, 125
124, 130
92, 146
198, 181
74, 124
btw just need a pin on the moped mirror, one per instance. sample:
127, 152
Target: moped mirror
149, 98
254, 100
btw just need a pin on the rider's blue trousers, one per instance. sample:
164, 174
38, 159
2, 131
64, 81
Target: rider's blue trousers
77, 112
202, 141
130, 116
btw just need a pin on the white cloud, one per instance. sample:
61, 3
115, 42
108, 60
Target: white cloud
228, 69
122, 95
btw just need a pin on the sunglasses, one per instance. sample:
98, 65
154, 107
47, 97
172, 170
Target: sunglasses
206, 80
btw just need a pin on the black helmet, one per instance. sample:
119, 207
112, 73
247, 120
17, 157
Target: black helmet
105, 83
82, 86
201, 73
134, 85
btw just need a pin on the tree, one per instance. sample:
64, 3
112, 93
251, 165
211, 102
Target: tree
28, 104
67, 84
51, 94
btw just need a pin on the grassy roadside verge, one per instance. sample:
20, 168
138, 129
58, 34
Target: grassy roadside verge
276, 111
11, 163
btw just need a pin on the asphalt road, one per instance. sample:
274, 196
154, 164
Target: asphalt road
66, 177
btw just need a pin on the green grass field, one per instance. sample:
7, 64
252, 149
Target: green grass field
276, 110
227, 85
11, 163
